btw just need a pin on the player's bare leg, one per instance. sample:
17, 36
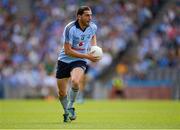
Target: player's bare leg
62, 87
76, 77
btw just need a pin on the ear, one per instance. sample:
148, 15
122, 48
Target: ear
79, 17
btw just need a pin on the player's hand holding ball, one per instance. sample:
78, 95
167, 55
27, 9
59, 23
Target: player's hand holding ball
96, 53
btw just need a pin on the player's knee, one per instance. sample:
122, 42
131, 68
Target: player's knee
75, 82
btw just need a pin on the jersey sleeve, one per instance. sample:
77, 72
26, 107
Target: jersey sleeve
94, 27
68, 35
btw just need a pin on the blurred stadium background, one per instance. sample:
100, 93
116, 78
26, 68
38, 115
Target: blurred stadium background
140, 40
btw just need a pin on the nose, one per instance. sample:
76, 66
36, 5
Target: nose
90, 17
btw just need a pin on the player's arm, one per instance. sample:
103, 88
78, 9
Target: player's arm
69, 51
93, 41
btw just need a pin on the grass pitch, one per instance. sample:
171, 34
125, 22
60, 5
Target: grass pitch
100, 114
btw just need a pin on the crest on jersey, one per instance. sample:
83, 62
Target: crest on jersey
82, 37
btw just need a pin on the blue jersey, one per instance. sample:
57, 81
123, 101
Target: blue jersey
79, 39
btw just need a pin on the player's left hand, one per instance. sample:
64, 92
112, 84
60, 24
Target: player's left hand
93, 58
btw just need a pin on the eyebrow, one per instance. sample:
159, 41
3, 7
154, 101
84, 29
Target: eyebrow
88, 13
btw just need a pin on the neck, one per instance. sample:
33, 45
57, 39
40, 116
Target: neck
81, 25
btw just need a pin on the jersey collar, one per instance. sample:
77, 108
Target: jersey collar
78, 26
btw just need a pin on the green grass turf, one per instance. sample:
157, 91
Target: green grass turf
93, 114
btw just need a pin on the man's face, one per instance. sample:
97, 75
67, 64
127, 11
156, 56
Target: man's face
86, 17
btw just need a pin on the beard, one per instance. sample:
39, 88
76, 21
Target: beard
86, 23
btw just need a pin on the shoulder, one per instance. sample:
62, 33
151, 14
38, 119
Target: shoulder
70, 26
93, 25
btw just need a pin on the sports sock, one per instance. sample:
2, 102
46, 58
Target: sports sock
80, 95
72, 95
64, 103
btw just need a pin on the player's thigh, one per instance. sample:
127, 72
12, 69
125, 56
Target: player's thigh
77, 74
62, 85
